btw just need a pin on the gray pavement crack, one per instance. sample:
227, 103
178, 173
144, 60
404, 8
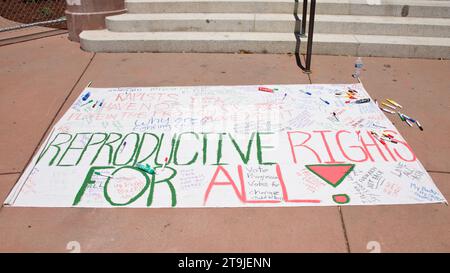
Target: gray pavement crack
445, 172
9, 173
347, 244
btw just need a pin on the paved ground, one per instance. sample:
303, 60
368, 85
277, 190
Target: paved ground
41, 78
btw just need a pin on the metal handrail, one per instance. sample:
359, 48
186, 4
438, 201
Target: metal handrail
302, 31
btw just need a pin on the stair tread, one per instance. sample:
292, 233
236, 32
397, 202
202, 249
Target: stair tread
399, 8
105, 35
388, 20
438, 3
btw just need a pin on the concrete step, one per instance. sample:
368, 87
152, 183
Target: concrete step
402, 8
265, 22
264, 42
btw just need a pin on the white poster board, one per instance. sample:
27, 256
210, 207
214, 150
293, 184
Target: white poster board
225, 146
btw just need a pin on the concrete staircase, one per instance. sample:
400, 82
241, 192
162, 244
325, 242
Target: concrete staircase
391, 28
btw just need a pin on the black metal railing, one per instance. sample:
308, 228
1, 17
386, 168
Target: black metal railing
17, 14
300, 32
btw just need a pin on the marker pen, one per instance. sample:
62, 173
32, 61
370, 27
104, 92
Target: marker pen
265, 89
420, 126
324, 101
387, 111
365, 100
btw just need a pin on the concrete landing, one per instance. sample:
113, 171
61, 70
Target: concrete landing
41, 78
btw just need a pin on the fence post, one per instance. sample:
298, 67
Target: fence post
90, 14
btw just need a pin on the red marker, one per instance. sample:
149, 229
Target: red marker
390, 140
165, 162
377, 137
265, 89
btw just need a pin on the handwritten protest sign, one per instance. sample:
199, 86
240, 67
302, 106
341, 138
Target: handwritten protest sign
223, 146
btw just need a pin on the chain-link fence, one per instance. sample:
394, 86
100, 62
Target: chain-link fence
16, 14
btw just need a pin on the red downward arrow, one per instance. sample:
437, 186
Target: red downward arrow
333, 174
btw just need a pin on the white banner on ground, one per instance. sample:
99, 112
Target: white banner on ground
223, 146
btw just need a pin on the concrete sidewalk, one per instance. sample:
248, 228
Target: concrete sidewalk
40, 79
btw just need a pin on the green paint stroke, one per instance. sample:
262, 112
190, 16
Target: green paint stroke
105, 187
177, 146
90, 143
137, 161
205, 147
107, 143
245, 158
136, 146
169, 184
52, 144
219, 149
260, 147
336, 196
172, 149
88, 181
71, 148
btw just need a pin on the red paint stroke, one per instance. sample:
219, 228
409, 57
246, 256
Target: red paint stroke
213, 182
242, 196
333, 174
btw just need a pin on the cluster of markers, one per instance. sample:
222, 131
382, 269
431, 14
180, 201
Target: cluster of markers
392, 109
86, 96
384, 137
271, 90
267, 89
146, 168
352, 96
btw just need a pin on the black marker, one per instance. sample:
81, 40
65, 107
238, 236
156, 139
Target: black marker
420, 126
334, 114
362, 100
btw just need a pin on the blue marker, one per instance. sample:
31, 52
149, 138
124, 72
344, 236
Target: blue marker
324, 101
86, 96
410, 119
123, 147
307, 93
